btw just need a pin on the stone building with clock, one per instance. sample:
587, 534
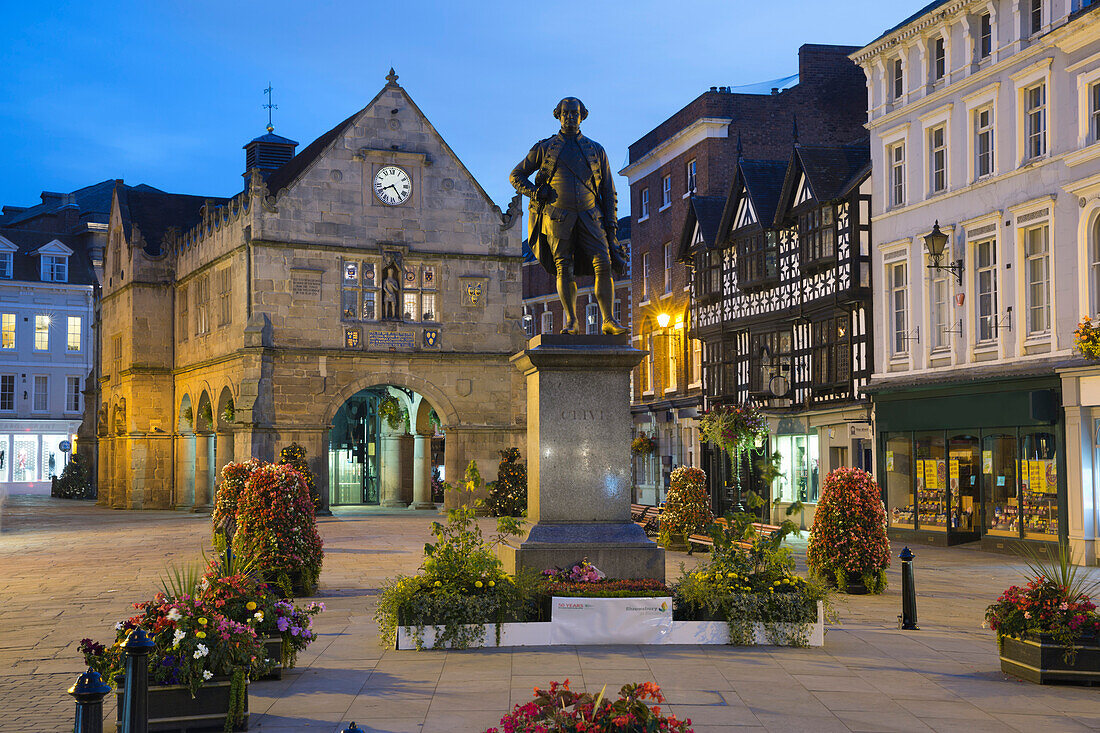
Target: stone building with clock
368, 268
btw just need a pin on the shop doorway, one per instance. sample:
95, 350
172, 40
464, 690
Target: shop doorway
355, 450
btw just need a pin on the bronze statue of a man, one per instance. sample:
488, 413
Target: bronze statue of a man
572, 215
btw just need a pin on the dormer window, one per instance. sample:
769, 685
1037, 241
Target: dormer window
6, 260
53, 261
55, 269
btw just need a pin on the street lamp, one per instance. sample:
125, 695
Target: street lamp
935, 242
663, 319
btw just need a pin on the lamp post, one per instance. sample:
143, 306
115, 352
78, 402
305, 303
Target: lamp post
935, 242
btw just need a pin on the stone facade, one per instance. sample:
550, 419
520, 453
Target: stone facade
248, 331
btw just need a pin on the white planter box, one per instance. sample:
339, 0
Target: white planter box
568, 631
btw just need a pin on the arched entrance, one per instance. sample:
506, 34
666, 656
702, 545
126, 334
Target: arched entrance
381, 456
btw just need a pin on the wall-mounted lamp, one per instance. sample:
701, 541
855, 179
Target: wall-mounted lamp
935, 242
663, 319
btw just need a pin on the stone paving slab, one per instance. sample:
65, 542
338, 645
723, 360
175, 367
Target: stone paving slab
70, 569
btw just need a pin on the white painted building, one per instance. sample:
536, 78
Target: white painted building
985, 117
46, 296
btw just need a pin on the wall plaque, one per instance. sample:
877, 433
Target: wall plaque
473, 291
305, 284
388, 340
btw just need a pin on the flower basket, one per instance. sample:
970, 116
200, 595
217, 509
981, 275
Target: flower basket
1086, 339
172, 709
1039, 658
643, 445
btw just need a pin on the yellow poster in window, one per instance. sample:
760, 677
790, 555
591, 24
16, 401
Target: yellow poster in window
1022, 471
889, 460
930, 481
955, 474
987, 461
1052, 476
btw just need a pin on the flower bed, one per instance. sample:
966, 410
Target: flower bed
561, 709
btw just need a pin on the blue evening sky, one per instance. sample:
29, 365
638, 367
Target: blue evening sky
167, 92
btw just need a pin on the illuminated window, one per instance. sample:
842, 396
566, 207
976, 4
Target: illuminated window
73, 334
7, 321
41, 333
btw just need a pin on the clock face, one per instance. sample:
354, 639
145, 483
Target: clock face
392, 185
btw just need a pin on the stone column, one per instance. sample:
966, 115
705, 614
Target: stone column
422, 472
204, 484
578, 458
391, 470
185, 470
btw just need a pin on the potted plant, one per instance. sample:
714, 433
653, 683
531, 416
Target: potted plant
461, 588
199, 665
562, 709
276, 523
848, 544
735, 429
1049, 630
748, 582
1086, 339
392, 413
294, 455
643, 444
687, 507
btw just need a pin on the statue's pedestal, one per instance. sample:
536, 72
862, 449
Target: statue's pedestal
578, 459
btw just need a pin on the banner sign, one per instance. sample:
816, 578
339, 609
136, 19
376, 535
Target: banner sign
610, 620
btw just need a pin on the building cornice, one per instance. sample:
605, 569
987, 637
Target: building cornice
913, 29
677, 144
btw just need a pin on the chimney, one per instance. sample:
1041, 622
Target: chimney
268, 153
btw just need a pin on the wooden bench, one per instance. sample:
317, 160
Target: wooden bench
650, 521
637, 511
705, 540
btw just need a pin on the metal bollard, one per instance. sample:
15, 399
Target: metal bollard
135, 701
353, 728
908, 615
89, 691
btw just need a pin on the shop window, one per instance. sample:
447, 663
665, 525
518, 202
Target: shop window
757, 259
798, 478
1038, 486
1001, 503
24, 464
817, 235
899, 486
963, 463
931, 482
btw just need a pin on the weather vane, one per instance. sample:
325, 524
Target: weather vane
269, 106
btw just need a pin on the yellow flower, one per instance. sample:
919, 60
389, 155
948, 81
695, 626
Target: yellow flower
492, 583
437, 584
478, 584
202, 621
200, 634
731, 575
251, 605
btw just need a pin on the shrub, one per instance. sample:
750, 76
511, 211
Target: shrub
687, 507
276, 523
294, 456
74, 482
230, 485
848, 537
508, 494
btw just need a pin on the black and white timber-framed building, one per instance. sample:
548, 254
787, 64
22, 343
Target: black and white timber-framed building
781, 298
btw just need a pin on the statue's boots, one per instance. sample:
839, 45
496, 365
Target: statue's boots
611, 327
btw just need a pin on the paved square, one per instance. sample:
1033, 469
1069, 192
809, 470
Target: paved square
69, 570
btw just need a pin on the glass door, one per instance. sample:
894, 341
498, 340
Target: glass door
1000, 498
964, 465
931, 473
1038, 485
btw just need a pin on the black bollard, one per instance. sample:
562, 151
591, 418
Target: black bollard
353, 728
135, 702
908, 592
89, 691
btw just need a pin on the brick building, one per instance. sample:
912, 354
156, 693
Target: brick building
542, 311
684, 167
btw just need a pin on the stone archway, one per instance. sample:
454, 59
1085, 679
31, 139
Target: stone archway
185, 453
225, 419
204, 451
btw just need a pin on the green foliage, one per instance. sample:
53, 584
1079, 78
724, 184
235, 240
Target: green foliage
1077, 586
508, 494
182, 580
393, 413
461, 582
74, 482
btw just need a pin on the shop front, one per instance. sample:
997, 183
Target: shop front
32, 452
973, 462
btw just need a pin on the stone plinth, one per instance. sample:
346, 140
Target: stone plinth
578, 458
